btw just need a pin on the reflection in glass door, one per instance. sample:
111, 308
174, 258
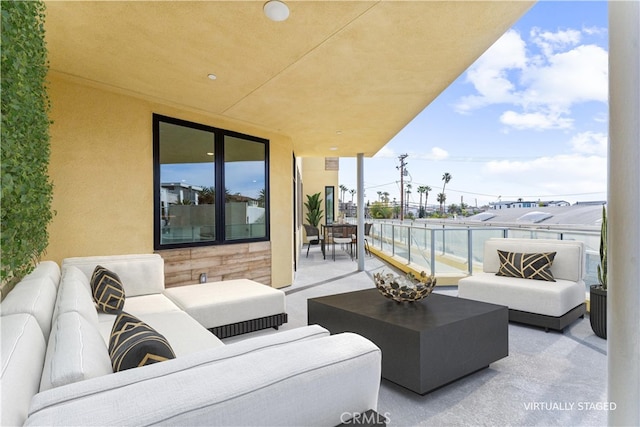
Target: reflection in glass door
328, 204
187, 184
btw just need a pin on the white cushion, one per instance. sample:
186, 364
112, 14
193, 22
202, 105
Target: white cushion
74, 295
278, 386
76, 352
534, 296
231, 301
23, 350
72, 272
141, 274
35, 296
165, 369
45, 269
144, 304
184, 334
569, 262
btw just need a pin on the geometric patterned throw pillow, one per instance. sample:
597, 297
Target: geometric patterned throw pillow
527, 266
107, 290
133, 343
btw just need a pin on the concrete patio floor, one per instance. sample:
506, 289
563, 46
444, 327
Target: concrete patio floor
548, 379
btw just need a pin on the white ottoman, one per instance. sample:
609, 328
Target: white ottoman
231, 307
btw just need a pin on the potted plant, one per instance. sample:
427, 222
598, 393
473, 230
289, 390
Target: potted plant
598, 293
314, 210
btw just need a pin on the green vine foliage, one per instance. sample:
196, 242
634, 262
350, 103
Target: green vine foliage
27, 191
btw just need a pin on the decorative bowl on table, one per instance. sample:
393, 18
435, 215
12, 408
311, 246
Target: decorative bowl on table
407, 288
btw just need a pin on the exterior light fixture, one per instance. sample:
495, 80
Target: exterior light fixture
276, 10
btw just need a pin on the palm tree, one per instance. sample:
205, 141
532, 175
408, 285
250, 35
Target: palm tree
386, 196
207, 196
352, 192
379, 196
441, 199
446, 178
407, 192
262, 197
421, 190
426, 196
343, 189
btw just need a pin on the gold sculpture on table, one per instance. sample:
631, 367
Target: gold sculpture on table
405, 289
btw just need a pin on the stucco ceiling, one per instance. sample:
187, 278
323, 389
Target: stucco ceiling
347, 75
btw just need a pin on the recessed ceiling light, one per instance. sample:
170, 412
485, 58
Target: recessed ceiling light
212, 76
276, 10
209, 154
333, 148
338, 132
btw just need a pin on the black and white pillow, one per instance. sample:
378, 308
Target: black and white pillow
535, 266
133, 343
107, 290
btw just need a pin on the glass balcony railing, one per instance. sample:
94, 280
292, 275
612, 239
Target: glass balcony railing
443, 249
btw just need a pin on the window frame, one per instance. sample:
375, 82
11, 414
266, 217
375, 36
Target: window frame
219, 184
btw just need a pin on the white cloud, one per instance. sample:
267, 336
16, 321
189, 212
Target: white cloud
550, 42
578, 75
535, 121
544, 86
594, 31
582, 171
590, 143
489, 73
436, 153
562, 175
385, 152
601, 117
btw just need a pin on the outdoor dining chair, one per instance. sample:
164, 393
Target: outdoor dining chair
313, 237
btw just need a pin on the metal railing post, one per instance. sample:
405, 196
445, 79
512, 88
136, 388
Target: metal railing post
393, 240
470, 250
409, 244
433, 252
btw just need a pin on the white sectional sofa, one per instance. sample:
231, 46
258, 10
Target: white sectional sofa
56, 368
551, 305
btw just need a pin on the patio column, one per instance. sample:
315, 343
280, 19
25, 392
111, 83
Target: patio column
360, 212
623, 297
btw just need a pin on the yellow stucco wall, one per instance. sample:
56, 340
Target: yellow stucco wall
102, 171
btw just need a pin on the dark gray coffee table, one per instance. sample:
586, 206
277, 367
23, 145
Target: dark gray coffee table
425, 345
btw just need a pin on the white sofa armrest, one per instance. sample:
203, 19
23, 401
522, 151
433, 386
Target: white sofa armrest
35, 294
319, 378
22, 349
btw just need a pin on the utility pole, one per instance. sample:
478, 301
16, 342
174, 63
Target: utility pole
402, 173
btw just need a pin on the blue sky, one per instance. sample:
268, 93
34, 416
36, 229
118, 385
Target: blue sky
527, 120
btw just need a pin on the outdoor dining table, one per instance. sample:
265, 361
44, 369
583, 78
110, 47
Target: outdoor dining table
329, 231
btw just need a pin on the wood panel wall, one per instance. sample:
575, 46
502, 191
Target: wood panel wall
224, 262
